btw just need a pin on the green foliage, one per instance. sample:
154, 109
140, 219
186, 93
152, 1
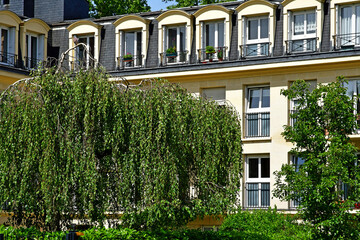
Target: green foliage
324, 119
189, 3
171, 50
80, 146
265, 224
128, 56
102, 8
210, 49
29, 233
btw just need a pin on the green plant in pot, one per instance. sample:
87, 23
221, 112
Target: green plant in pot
171, 52
128, 57
210, 50
220, 54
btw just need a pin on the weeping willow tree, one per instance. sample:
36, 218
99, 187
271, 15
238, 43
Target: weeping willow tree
83, 147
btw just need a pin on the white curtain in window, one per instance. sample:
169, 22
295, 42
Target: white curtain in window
346, 13
311, 23
298, 24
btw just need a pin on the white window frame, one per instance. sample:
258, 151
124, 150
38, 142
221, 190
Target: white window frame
137, 60
87, 58
178, 42
260, 180
216, 33
353, 18
259, 41
306, 36
259, 109
40, 47
7, 44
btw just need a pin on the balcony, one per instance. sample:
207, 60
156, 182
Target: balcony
257, 195
254, 50
32, 63
179, 57
218, 55
257, 124
79, 64
301, 45
8, 59
136, 61
346, 41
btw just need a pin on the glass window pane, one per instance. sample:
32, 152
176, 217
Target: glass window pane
253, 29
253, 194
221, 34
254, 98
310, 23
345, 19
298, 161
265, 101
91, 46
210, 34
264, 28
265, 194
4, 41
253, 167
357, 28
129, 43
265, 167
172, 37
182, 39
299, 24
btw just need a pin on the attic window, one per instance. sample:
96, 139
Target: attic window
6, 2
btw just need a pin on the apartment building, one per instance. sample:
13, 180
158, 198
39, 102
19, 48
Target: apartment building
258, 47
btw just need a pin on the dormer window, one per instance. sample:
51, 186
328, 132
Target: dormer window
213, 37
84, 57
302, 32
34, 50
257, 37
131, 49
348, 26
5, 2
174, 44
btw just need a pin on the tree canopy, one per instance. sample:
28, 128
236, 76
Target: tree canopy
80, 146
327, 183
189, 3
102, 8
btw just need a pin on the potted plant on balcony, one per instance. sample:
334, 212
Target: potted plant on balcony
209, 50
220, 54
128, 57
171, 52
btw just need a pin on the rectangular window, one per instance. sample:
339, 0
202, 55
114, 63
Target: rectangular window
34, 50
131, 52
294, 103
213, 35
257, 182
4, 58
216, 94
297, 163
6, 2
175, 42
85, 55
353, 89
303, 37
258, 112
257, 37
348, 26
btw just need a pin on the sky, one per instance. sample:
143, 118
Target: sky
158, 4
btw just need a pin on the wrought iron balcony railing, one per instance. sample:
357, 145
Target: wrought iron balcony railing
257, 195
346, 41
301, 45
173, 58
82, 64
8, 58
255, 50
219, 54
130, 62
32, 63
257, 124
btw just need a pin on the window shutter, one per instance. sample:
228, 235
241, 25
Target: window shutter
290, 24
40, 53
11, 45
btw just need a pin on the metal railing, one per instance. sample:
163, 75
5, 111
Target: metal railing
257, 195
31, 63
346, 41
255, 50
173, 58
134, 61
8, 58
218, 55
257, 124
79, 64
301, 45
